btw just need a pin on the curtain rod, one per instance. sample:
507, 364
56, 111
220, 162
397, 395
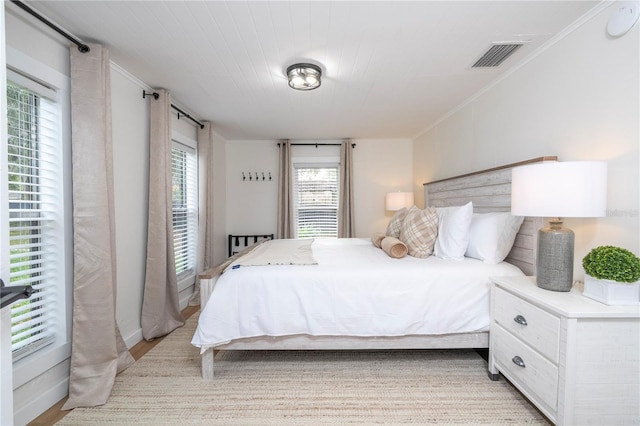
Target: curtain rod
353, 145
81, 46
184, 114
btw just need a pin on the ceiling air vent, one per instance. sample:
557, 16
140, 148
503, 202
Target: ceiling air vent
496, 54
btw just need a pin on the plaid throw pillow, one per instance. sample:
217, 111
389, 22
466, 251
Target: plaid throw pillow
393, 228
419, 231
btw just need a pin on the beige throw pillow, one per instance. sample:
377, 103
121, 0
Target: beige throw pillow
393, 228
419, 231
377, 238
394, 247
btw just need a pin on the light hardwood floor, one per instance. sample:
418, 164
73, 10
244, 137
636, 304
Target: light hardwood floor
53, 414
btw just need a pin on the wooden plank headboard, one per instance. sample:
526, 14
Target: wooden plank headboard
490, 191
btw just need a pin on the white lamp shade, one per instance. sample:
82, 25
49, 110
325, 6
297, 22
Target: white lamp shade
560, 189
394, 201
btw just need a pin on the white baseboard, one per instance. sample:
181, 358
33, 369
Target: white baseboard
184, 296
136, 336
133, 338
41, 403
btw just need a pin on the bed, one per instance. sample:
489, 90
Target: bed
394, 309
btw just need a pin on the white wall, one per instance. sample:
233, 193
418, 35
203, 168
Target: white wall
35, 40
251, 205
380, 166
219, 199
130, 127
578, 99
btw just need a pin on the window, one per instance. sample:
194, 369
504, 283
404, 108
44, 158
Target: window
185, 209
36, 215
316, 201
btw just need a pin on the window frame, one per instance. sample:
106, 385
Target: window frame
314, 162
187, 278
52, 81
34, 212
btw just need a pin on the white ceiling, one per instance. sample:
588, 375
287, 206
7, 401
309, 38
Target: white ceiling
390, 68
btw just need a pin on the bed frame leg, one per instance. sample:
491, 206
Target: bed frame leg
492, 371
207, 364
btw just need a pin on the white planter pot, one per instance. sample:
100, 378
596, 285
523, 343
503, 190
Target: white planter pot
612, 292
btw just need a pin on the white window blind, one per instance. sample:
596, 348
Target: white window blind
35, 217
316, 201
185, 208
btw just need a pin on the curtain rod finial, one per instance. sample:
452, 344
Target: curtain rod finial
83, 48
154, 94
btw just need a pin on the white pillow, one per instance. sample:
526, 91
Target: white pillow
491, 236
453, 231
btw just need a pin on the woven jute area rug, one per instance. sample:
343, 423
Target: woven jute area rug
307, 388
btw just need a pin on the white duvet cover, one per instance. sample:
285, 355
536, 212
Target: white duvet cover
354, 290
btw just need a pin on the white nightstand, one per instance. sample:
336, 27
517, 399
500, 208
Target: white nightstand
576, 359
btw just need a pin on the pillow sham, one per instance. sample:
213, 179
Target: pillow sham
491, 236
394, 247
453, 231
393, 228
419, 231
376, 239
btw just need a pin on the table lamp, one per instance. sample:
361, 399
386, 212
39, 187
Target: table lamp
395, 201
555, 190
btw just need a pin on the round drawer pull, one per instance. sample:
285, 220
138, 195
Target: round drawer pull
518, 361
520, 320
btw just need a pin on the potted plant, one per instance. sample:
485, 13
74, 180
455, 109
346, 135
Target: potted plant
612, 276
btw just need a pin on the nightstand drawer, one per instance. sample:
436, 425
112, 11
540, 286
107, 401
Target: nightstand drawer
525, 368
529, 323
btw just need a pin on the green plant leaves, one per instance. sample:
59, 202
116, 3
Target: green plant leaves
612, 263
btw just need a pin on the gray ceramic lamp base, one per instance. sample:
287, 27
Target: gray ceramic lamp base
554, 265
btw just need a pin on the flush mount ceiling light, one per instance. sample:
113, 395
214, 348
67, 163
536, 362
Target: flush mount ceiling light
304, 76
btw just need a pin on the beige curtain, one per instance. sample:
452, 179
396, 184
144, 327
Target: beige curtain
98, 351
160, 306
205, 258
286, 219
346, 218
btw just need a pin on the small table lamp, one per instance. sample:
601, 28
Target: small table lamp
554, 190
395, 201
